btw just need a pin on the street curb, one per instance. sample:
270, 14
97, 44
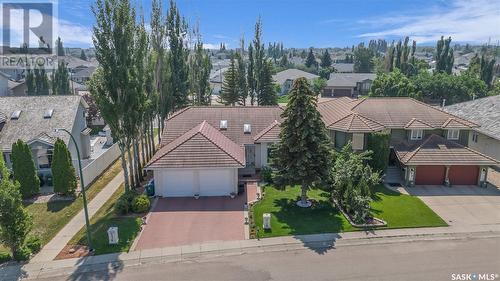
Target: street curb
314, 242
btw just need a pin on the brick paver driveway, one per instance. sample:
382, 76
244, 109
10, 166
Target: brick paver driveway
462, 206
182, 221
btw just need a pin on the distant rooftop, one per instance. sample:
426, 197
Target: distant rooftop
292, 74
348, 79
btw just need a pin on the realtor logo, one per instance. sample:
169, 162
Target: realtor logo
27, 33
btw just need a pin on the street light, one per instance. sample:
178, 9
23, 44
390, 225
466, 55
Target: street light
87, 222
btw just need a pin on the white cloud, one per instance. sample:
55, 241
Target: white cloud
465, 21
211, 46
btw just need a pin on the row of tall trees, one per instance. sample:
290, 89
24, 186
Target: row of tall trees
251, 78
38, 84
144, 77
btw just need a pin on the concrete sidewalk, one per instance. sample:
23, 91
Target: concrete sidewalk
55, 246
319, 243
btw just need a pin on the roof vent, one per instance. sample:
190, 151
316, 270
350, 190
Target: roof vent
247, 129
223, 125
48, 113
15, 115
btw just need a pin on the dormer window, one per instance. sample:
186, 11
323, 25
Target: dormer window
223, 125
48, 113
247, 128
453, 134
416, 134
15, 115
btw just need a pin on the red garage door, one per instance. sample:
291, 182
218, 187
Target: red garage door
430, 175
463, 175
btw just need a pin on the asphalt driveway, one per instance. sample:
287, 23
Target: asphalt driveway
183, 221
462, 205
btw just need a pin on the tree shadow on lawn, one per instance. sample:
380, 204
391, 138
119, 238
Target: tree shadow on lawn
56, 206
319, 219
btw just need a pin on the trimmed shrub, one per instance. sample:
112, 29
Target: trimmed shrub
266, 174
123, 205
34, 244
24, 170
62, 170
141, 204
4, 257
378, 143
22, 254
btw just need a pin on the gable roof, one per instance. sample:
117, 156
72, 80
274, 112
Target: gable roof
202, 146
292, 74
259, 118
348, 79
417, 124
31, 125
436, 150
483, 111
356, 123
269, 134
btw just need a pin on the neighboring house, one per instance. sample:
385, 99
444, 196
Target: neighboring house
344, 67
216, 79
4, 84
348, 84
83, 75
17, 88
205, 149
485, 112
285, 78
33, 119
428, 145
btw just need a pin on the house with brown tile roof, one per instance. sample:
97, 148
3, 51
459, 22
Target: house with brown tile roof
205, 149
428, 145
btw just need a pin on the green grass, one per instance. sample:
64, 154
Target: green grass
128, 228
400, 210
287, 218
283, 99
49, 218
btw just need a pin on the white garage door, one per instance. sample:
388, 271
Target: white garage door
185, 183
216, 182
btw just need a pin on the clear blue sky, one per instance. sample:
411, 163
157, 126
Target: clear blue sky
319, 23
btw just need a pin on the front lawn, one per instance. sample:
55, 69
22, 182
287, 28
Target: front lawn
128, 228
49, 218
398, 210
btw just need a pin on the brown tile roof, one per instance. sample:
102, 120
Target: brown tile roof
417, 124
201, 146
389, 113
436, 150
269, 134
259, 119
356, 123
455, 123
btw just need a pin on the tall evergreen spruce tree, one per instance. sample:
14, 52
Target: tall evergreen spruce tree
302, 157
63, 171
230, 93
268, 94
311, 60
83, 56
326, 60
24, 170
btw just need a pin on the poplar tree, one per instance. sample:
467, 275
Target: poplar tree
23, 168
444, 56
199, 73
42, 87
83, 56
268, 94
242, 82
59, 46
60, 80
251, 75
63, 171
302, 156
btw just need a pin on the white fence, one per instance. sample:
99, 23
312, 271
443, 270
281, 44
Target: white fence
101, 163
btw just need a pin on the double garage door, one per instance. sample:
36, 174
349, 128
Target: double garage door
458, 175
188, 182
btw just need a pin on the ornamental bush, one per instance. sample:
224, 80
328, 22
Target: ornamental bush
34, 244
4, 256
123, 205
22, 254
141, 204
24, 170
63, 172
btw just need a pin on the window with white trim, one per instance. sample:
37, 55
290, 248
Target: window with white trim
416, 134
453, 134
474, 136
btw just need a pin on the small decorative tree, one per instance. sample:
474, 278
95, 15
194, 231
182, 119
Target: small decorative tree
63, 171
24, 169
303, 154
15, 221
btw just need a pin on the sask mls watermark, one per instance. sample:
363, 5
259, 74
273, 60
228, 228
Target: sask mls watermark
28, 34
